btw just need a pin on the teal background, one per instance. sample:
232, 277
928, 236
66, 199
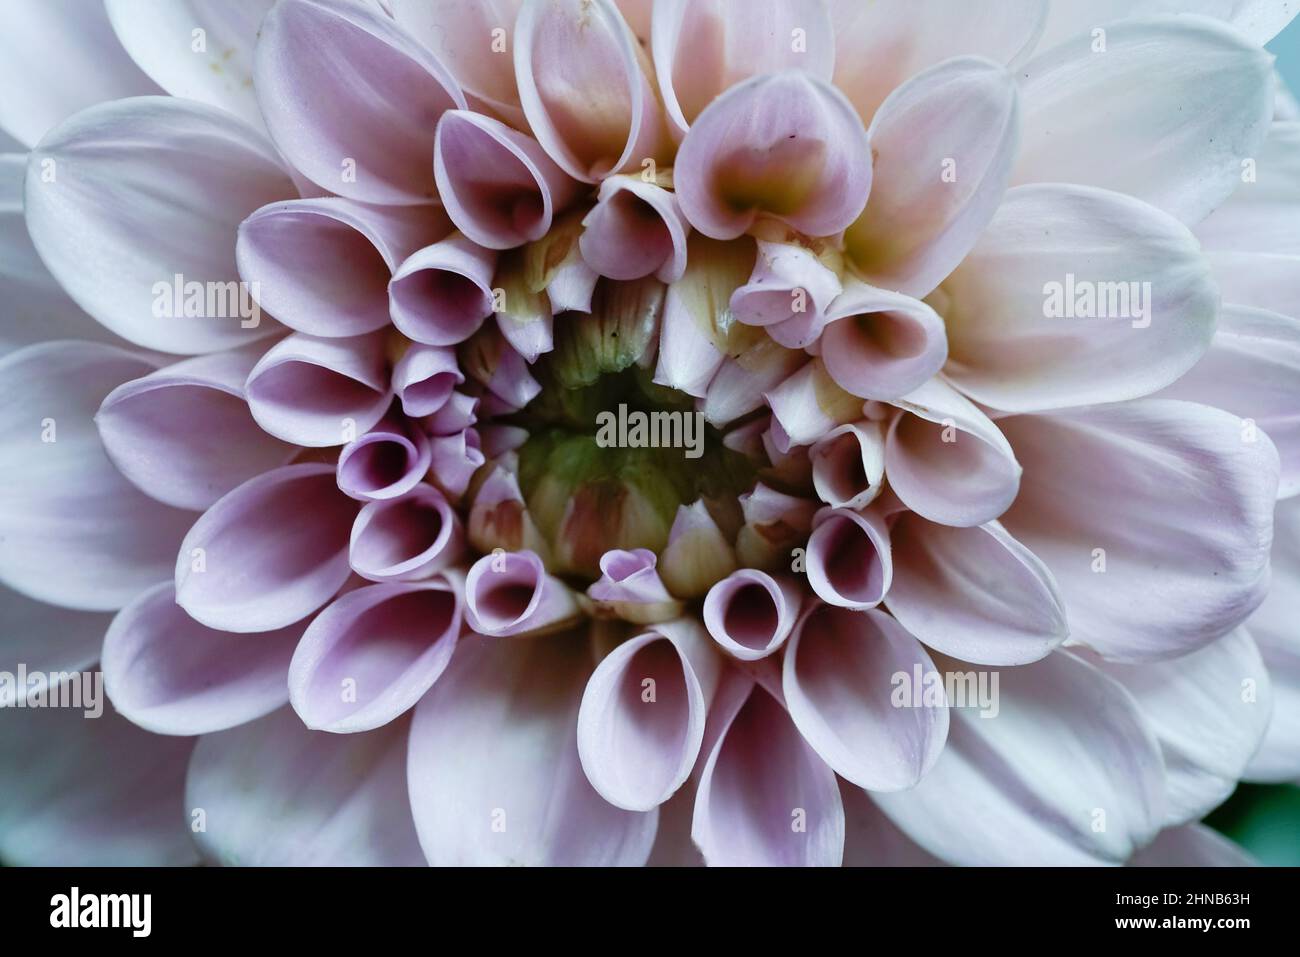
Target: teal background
1265, 819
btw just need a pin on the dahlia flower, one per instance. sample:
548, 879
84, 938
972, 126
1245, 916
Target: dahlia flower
609, 433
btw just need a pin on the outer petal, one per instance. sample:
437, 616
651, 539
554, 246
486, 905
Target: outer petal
168, 673
322, 266
974, 593
702, 49
840, 673
1156, 524
1209, 710
195, 49
442, 293
320, 799
183, 435
880, 45
352, 99
783, 145
125, 197
370, 655
530, 804
765, 798
1066, 773
585, 88
1252, 370
1189, 99
873, 840
1017, 339
46, 639
73, 531
63, 56
320, 392
1191, 845
267, 554
98, 793
643, 713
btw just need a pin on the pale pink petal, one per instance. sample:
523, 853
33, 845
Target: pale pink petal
643, 713
171, 675
322, 800
783, 145
947, 460
458, 413
873, 840
635, 229
64, 57
423, 379
455, 460
386, 462
1191, 845
267, 554
45, 639
510, 593
499, 186
765, 798
789, 292
322, 266
848, 464
81, 793
943, 145
184, 435
738, 386
849, 561
880, 344
407, 538
751, 613
585, 88
320, 392
809, 404
125, 197
442, 293
1156, 524
1065, 773
371, 654
629, 576
73, 531
531, 804
840, 676
703, 47
1017, 339
1190, 97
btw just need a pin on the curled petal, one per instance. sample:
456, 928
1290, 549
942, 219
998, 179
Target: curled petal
741, 381
697, 553
386, 462
783, 145
643, 714
352, 99
456, 458
760, 779
405, 539
943, 146
171, 675
386, 644
849, 559
630, 588
808, 405
750, 613
975, 593
1192, 97
635, 229
848, 464
531, 804
1064, 743
491, 360
458, 413
1115, 306
442, 293
510, 593
183, 435
1157, 524
523, 312
499, 517
702, 49
268, 553
840, 675
319, 392
789, 292
499, 186
584, 87
425, 377
947, 460
322, 266
125, 236
1191, 845
881, 345
774, 524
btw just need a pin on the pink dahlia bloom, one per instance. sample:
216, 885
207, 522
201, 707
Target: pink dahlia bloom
579, 432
